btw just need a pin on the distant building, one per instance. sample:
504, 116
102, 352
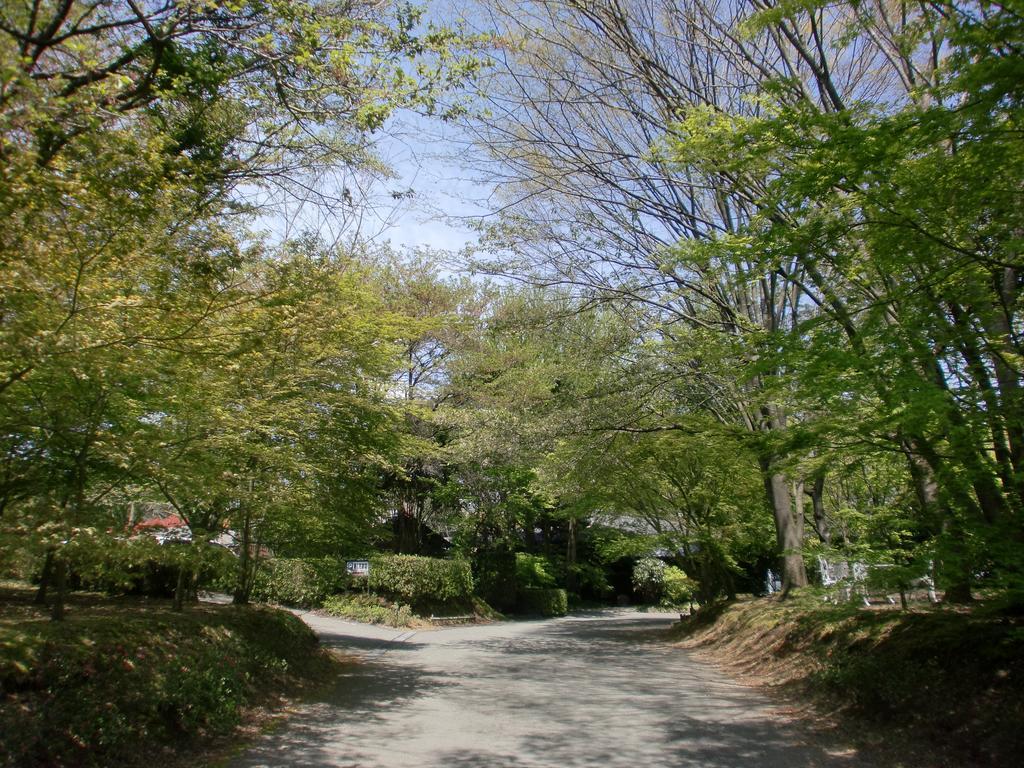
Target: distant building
162, 522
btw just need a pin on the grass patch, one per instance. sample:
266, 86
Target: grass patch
122, 677
947, 682
370, 609
373, 609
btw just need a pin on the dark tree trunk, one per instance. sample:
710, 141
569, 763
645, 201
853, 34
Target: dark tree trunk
817, 494
958, 593
179, 589
44, 578
406, 524
60, 570
571, 582
243, 584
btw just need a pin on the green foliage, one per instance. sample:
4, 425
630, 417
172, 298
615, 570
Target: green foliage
649, 579
422, 582
678, 588
300, 582
534, 571
153, 345
369, 609
494, 574
544, 602
143, 566
113, 681
591, 581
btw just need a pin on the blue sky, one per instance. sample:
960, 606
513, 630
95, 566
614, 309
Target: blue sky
426, 203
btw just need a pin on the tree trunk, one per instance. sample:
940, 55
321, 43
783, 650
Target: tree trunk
954, 567
958, 593
241, 594
406, 535
179, 589
571, 582
44, 578
817, 494
789, 534
925, 486
60, 570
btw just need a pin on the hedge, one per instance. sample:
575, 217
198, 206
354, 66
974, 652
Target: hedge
421, 581
544, 602
300, 582
143, 566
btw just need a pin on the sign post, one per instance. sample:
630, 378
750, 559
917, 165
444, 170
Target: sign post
359, 568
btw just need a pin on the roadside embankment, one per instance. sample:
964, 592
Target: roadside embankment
123, 678
938, 686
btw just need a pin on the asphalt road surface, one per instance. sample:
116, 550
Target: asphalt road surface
599, 690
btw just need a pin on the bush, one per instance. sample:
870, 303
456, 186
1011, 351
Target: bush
534, 572
369, 609
300, 582
18, 563
649, 579
544, 602
678, 587
494, 571
425, 583
142, 566
591, 581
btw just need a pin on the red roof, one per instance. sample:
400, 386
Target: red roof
171, 521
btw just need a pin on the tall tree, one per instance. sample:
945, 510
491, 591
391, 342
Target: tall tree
587, 95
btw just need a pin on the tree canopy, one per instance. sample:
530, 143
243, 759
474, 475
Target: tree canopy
750, 290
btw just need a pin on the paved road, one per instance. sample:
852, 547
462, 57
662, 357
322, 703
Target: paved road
596, 691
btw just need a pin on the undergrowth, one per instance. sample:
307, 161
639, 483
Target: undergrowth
120, 677
949, 679
369, 609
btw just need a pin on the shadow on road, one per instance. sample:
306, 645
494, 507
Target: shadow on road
572, 694
364, 697
344, 641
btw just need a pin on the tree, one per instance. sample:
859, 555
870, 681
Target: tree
436, 315
636, 141
889, 213
131, 135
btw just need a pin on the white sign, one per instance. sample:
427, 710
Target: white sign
358, 567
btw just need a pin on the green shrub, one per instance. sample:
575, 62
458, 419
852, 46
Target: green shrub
494, 572
422, 582
679, 588
370, 609
544, 602
301, 582
649, 579
142, 566
591, 581
534, 572
18, 563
